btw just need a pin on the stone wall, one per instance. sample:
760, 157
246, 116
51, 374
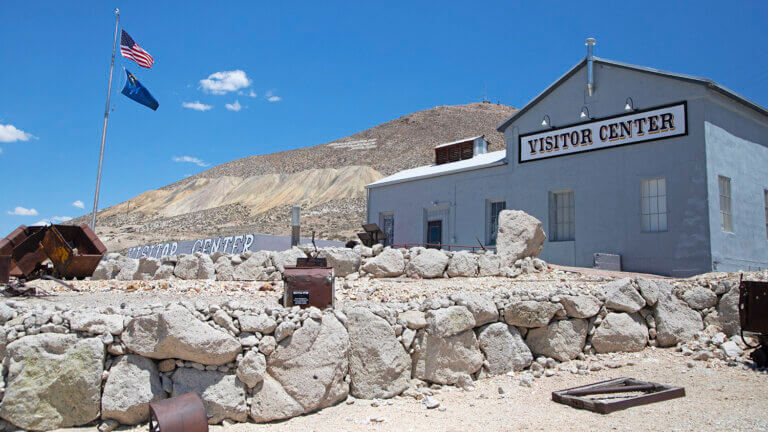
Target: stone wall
72, 367
376, 262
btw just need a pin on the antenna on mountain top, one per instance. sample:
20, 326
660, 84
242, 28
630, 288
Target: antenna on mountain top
485, 99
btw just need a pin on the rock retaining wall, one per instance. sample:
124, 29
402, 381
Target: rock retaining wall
376, 262
66, 367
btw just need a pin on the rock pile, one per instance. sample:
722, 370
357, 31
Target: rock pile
69, 367
362, 261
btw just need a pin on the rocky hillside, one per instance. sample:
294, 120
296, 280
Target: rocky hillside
255, 193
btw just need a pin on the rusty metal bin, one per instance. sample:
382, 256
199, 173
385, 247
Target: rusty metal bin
753, 306
75, 251
185, 413
309, 283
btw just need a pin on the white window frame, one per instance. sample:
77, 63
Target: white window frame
562, 216
726, 208
653, 205
490, 230
765, 199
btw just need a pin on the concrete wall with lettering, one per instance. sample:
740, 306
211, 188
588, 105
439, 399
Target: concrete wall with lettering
230, 245
606, 182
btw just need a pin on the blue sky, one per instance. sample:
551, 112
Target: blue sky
315, 71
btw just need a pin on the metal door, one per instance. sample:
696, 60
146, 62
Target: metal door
435, 232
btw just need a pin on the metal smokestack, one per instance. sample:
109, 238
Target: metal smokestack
590, 65
295, 225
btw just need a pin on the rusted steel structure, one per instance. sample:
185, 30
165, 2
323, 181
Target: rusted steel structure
309, 283
753, 317
623, 391
184, 413
74, 251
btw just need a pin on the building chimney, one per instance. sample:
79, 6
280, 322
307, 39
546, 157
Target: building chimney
590, 65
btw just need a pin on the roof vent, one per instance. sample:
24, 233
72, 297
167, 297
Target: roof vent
590, 63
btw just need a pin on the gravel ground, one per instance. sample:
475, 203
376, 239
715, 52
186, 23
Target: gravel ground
717, 398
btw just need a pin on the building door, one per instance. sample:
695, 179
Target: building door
388, 227
435, 233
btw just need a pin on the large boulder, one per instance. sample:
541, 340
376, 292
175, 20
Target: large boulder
186, 267
253, 267
379, 367
224, 269
176, 333
344, 261
128, 268
504, 348
206, 269
581, 306
728, 312
621, 295
96, 323
562, 340
107, 269
463, 264
620, 332
530, 313
133, 384
700, 298
389, 263
446, 360
449, 321
147, 268
53, 381
261, 323
489, 264
223, 394
306, 370
482, 307
675, 321
251, 369
649, 289
287, 257
520, 235
430, 263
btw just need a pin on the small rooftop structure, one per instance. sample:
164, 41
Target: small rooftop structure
463, 149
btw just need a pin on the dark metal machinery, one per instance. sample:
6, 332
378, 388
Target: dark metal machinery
74, 251
753, 317
309, 283
184, 413
623, 391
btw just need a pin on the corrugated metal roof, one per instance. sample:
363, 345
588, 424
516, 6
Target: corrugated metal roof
480, 161
457, 142
690, 78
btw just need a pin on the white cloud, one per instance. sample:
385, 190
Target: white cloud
196, 105
9, 133
190, 159
274, 98
21, 211
53, 220
226, 81
234, 106
1, 150
78, 204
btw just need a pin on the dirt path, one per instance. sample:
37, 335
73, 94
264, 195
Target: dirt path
724, 399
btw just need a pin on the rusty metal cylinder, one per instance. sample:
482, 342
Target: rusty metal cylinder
184, 413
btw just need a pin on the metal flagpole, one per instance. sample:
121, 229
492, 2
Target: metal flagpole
104, 128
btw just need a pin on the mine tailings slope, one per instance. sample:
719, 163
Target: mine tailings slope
327, 180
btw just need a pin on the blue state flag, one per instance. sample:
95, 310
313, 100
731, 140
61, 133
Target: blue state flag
134, 90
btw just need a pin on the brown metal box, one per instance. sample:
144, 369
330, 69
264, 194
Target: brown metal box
308, 286
753, 306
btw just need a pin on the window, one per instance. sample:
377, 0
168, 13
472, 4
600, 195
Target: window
653, 207
387, 221
726, 217
765, 198
492, 220
562, 216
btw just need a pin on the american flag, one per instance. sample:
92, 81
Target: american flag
130, 49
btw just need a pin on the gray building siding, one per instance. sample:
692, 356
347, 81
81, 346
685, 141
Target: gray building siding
606, 183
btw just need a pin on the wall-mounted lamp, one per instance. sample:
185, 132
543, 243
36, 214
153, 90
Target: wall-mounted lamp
585, 113
546, 121
630, 105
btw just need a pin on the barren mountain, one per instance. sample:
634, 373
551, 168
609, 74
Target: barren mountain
254, 194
